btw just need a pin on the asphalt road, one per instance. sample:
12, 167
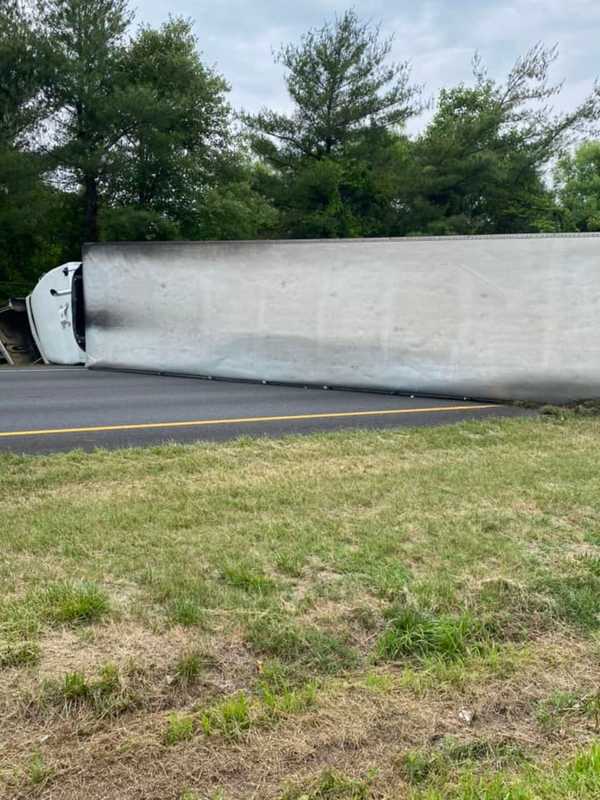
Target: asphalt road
48, 409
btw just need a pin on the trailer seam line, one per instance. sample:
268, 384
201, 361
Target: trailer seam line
245, 420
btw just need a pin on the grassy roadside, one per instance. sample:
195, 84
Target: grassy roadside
409, 613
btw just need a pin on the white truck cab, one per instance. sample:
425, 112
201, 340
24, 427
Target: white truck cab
55, 311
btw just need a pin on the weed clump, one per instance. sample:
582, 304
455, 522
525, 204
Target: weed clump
59, 603
180, 728
185, 611
248, 580
287, 701
415, 634
65, 602
230, 717
189, 668
37, 770
184, 598
104, 696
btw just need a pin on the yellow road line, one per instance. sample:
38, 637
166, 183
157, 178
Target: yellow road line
243, 420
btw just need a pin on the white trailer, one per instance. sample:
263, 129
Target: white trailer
495, 317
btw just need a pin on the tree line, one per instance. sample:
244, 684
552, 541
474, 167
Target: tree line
111, 133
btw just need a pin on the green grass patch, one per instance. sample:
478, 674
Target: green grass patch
433, 673
57, 603
331, 785
422, 766
230, 717
105, 695
189, 668
578, 779
275, 699
22, 620
576, 598
308, 646
416, 634
244, 577
186, 611
180, 728
183, 598
287, 701
19, 654
390, 568
380, 683
562, 708
37, 772
66, 602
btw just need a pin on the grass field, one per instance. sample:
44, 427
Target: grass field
399, 614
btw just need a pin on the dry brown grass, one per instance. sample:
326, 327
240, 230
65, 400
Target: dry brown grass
352, 729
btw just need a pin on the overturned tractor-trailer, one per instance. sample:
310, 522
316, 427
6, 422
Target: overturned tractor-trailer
496, 317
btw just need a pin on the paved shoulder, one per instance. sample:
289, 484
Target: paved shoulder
51, 409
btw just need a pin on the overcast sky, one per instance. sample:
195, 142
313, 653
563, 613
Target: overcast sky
438, 37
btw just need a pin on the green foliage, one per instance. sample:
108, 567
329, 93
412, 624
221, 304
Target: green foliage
66, 602
75, 686
379, 683
186, 611
33, 229
183, 597
342, 83
235, 208
278, 693
177, 132
128, 223
577, 178
135, 130
31, 223
82, 42
117, 135
562, 708
336, 159
288, 701
478, 166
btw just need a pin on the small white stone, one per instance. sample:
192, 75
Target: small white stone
466, 715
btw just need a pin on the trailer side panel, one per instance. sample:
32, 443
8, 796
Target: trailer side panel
495, 317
